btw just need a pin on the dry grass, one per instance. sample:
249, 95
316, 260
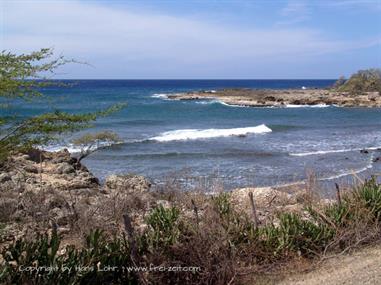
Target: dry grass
172, 227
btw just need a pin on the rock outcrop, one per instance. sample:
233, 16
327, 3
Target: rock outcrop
128, 183
40, 189
282, 98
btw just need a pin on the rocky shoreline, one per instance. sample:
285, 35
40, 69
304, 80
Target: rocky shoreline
40, 190
283, 98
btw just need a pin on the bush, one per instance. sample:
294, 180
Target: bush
368, 80
222, 243
297, 235
75, 266
163, 227
370, 195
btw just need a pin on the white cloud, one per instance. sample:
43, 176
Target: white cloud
294, 12
153, 43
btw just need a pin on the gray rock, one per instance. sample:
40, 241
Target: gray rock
18, 177
65, 168
7, 207
25, 157
130, 182
4, 177
31, 169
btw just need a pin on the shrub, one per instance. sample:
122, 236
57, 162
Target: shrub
362, 81
296, 234
370, 194
75, 266
163, 226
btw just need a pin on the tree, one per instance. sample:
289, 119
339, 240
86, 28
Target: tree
368, 80
90, 143
21, 78
339, 82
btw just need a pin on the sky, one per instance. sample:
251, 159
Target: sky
204, 39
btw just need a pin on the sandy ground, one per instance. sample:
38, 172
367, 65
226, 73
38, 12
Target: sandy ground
360, 267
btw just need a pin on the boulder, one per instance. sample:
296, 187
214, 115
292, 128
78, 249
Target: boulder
4, 177
130, 183
65, 168
31, 169
36, 155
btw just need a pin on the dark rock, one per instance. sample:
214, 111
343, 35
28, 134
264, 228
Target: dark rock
270, 98
31, 169
4, 177
73, 160
93, 180
62, 220
377, 159
36, 155
296, 102
82, 168
364, 151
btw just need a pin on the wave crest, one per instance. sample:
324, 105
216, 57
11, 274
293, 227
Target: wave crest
160, 95
72, 148
195, 134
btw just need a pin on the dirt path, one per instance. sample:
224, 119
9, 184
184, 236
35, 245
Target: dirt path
361, 267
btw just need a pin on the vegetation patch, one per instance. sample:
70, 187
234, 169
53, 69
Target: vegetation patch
216, 247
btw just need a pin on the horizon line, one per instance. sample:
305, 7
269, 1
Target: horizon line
189, 79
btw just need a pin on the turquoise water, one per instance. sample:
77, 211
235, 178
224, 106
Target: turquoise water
205, 138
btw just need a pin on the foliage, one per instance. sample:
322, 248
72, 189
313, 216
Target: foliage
21, 78
18, 71
370, 195
163, 225
225, 243
222, 204
75, 266
339, 82
362, 81
91, 142
296, 234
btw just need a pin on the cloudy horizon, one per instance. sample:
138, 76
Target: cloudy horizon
199, 39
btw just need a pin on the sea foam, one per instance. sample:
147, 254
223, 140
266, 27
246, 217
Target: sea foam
307, 106
160, 96
319, 152
195, 134
77, 148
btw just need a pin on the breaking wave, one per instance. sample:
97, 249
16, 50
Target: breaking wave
160, 95
195, 134
72, 148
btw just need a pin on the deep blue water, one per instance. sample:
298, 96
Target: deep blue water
324, 140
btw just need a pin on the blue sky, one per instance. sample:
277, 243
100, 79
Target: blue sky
199, 39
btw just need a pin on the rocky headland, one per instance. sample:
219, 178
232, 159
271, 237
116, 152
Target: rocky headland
284, 97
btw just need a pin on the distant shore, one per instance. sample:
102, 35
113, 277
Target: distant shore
283, 98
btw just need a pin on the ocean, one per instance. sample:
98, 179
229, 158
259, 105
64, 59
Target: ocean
207, 141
